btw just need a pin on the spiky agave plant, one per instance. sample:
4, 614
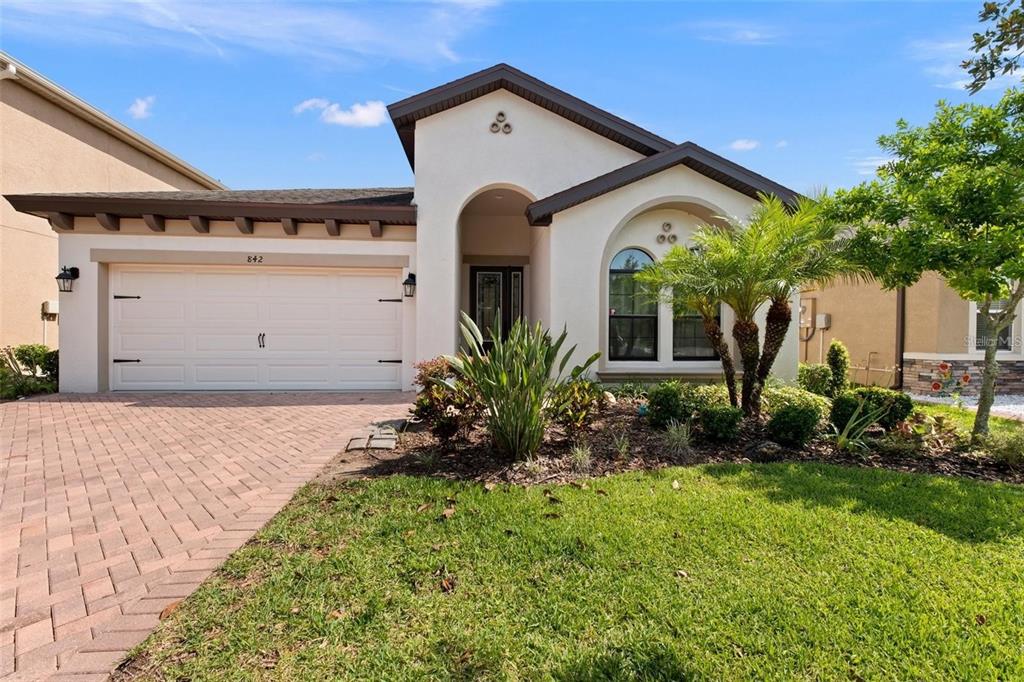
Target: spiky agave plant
516, 380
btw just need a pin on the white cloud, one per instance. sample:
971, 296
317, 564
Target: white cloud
735, 32
744, 145
869, 165
312, 103
782, 144
142, 107
329, 34
360, 115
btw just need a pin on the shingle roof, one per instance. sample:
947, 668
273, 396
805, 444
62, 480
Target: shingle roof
405, 113
688, 154
369, 196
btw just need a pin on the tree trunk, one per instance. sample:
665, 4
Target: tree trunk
713, 330
747, 338
987, 393
780, 314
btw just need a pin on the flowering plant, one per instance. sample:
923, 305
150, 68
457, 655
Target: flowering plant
947, 384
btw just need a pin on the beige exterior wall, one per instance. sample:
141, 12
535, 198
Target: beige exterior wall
45, 148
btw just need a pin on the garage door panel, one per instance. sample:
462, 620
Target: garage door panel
233, 284
240, 342
309, 343
297, 310
221, 374
299, 374
227, 310
141, 342
151, 310
198, 327
303, 286
131, 375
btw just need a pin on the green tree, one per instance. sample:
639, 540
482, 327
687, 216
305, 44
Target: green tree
1000, 46
952, 202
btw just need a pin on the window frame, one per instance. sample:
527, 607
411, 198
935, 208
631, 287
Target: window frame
974, 337
656, 315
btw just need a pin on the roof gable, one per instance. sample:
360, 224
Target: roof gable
689, 154
405, 113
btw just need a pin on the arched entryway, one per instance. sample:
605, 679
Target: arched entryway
496, 243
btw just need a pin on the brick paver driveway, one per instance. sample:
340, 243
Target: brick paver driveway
115, 506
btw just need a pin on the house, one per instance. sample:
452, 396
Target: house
527, 202
52, 141
900, 338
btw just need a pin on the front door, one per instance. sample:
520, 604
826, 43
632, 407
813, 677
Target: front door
495, 298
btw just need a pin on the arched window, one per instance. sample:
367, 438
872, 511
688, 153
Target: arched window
632, 316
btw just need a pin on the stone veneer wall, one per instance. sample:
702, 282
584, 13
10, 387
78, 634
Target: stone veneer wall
919, 375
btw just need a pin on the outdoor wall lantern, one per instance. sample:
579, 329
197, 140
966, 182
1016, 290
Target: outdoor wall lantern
409, 285
66, 278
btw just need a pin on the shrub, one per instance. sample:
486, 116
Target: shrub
838, 359
721, 422
850, 437
677, 438
816, 378
777, 397
794, 424
698, 396
1007, 448
51, 365
447, 410
893, 406
31, 356
515, 380
575, 403
665, 404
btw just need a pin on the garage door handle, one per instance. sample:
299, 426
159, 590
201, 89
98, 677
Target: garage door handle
261, 339
118, 297
119, 360
393, 362
389, 300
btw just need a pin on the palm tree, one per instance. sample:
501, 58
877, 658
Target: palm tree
747, 265
687, 278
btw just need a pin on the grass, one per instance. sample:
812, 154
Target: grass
964, 419
767, 571
780, 571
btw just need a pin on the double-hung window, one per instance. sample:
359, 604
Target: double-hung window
632, 315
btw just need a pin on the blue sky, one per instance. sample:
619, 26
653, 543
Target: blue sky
267, 95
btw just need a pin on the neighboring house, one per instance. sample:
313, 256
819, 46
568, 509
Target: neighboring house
528, 202
52, 141
904, 336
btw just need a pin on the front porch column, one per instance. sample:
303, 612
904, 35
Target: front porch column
437, 282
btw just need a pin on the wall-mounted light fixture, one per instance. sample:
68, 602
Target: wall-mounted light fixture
409, 285
66, 278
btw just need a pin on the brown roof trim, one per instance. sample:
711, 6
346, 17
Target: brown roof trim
688, 154
405, 113
44, 87
46, 204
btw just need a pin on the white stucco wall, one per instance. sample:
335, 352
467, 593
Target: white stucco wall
585, 238
83, 330
457, 156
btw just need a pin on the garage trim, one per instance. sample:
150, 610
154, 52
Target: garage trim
314, 260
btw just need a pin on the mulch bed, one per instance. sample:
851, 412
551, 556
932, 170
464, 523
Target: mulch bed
420, 454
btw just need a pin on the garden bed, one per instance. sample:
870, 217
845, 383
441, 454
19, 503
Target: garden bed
474, 458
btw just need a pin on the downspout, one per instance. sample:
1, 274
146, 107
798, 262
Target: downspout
901, 335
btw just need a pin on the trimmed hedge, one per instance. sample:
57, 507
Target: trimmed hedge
721, 422
665, 404
816, 378
795, 424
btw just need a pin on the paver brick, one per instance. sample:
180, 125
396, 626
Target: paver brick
118, 505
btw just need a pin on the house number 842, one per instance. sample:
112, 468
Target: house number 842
254, 259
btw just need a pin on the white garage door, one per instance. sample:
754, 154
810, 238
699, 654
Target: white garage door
224, 328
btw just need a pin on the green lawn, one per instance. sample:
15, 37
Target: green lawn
964, 419
778, 571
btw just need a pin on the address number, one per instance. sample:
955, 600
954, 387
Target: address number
254, 259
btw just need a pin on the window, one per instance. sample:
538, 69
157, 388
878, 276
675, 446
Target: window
980, 339
689, 342
632, 316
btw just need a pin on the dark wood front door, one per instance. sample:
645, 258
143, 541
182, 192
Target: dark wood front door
495, 298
